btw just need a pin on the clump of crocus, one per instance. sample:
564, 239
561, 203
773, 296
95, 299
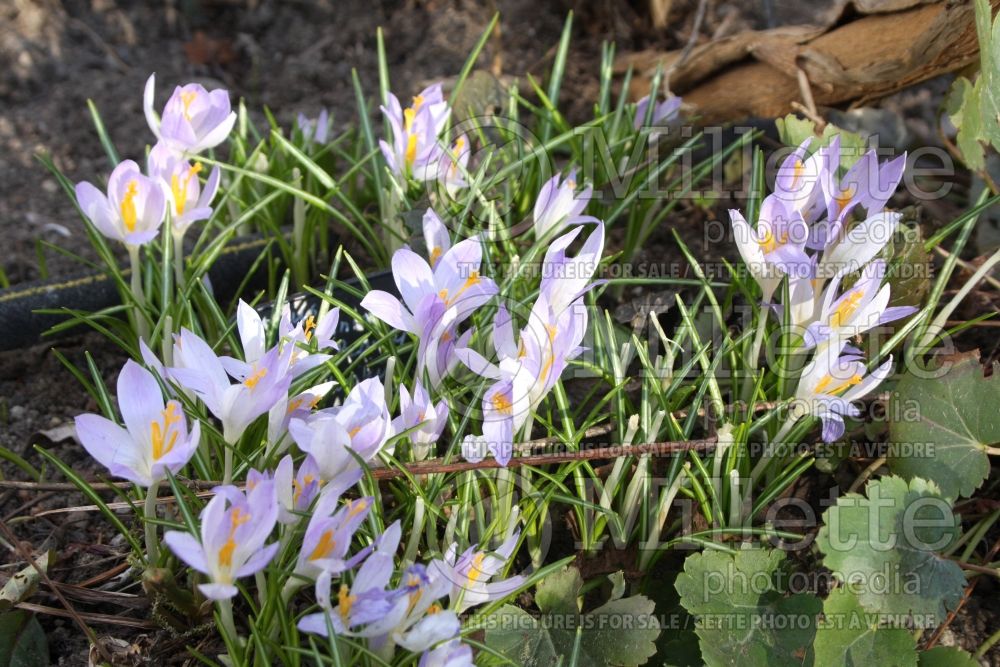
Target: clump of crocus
530, 363
132, 210
193, 120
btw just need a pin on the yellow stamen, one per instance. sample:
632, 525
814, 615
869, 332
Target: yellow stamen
476, 571
179, 188
408, 116
846, 309
158, 432
294, 405
434, 609
325, 545
550, 357
471, 281
844, 198
501, 404
446, 337
353, 432
823, 386
236, 519
435, 255
252, 380
411, 149
127, 207
357, 507
797, 171
418, 101
186, 99
300, 487
344, 602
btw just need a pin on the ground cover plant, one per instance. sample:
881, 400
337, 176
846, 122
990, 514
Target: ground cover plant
421, 434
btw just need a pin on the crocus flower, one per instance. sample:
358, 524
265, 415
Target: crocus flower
317, 129
854, 248
454, 165
450, 654
830, 382
294, 342
559, 204
436, 301
858, 309
329, 535
866, 184
259, 386
234, 528
663, 112
419, 412
413, 603
414, 151
288, 408
435, 237
361, 606
775, 248
296, 492
193, 120
309, 330
797, 182
133, 209
155, 438
565, 279
337, 437
528, 368
187, 202
470, 572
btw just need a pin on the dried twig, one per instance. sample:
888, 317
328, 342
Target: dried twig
68, 608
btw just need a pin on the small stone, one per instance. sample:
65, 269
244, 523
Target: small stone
17, 412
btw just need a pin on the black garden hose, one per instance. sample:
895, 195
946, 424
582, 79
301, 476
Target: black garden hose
21, 325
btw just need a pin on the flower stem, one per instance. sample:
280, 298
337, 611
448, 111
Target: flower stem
751, 360
768, 454
179, 260
227, 469
142, 327
149, 513
226, 618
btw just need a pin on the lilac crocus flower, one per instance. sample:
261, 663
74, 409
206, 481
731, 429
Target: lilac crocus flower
663, 112
776, 247
436, 237
419, 412
436, 301
187, 202
831, 382
315, 130
559, 204
336, 436
797, 183
565, 279
329, 535
193, 120
133, 209
288, 408
528, 368
234, 528
453, 166
361, 606
470, 572
450, 654
414, 152
858, 309
199, 370
866, 184
155, 439
296, 490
